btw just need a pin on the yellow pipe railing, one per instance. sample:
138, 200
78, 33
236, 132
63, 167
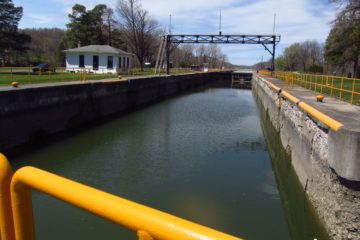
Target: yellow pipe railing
147, 222
345, 89
6, 216
330, 122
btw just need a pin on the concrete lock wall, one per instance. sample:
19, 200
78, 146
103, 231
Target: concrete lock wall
314, 152
32, 112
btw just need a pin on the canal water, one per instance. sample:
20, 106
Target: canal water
200, 156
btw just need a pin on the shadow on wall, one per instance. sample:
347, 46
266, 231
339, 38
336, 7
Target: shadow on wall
301, 218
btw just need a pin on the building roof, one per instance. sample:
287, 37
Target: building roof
97, 49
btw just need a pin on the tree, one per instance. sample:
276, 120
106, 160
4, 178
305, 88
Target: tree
10, 39
310, 54
139, 29
44, 45
87, 27
343, 43
280, 62
292, 57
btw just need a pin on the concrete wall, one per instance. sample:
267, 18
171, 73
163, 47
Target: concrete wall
30, 113
310, 146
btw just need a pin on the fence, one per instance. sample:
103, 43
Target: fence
26, 75
16, 216
345, 89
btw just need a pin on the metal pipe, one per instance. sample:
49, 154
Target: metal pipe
136, 217
330, 122
6, 217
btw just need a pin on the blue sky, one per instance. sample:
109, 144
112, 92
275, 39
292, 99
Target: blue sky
296, 20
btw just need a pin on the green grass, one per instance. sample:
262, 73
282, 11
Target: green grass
30, 78
26, 76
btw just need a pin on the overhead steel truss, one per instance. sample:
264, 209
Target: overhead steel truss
222, 39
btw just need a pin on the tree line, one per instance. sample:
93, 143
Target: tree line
338, 55
128, 27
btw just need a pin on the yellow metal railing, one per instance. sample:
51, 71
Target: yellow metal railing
345, 89
17, 218
328, 121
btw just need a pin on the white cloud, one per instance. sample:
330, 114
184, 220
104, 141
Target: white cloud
41, 19
296, 20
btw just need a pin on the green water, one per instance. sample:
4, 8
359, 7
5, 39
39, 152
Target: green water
200, 156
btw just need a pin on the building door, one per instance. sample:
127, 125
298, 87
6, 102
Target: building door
95, 62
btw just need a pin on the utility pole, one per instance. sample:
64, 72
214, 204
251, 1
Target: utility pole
220, 33
170, 25
274, 23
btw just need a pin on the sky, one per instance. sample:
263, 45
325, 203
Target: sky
295, 21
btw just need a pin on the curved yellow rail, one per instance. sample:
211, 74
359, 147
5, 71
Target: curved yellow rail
147, 222
6, 217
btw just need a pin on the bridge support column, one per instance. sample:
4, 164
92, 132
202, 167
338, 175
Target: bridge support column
273, 57
167, 54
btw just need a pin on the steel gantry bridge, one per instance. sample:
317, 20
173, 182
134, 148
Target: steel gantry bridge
265, 40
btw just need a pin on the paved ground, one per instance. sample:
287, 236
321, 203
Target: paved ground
346, 113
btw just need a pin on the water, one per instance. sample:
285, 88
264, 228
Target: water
200, 156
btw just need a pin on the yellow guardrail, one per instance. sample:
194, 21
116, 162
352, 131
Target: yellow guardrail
328, 121
345, 89
147, 222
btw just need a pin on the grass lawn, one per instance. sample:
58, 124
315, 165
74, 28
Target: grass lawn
26, 76
30, 78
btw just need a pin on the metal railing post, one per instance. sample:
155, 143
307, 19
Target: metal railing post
6, 216
352, 91
341, 87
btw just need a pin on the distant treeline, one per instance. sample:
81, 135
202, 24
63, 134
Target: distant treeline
128, 27
340, 54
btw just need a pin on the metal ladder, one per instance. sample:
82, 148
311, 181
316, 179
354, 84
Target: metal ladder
160, 55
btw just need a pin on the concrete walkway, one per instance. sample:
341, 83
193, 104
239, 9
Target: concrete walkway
346, 113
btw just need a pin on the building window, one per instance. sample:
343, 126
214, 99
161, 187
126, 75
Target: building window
81, 61
127, 62
119, 62
110, 62
123, 62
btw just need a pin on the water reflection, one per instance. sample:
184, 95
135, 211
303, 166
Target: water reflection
300, 216
200, 156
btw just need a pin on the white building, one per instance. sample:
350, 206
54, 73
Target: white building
98, 59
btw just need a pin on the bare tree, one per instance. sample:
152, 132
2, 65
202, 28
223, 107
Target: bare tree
138, 28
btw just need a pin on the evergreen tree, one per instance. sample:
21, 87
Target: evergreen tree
89, 26
11, 41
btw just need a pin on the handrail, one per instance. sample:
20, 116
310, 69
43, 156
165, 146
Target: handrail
6, 217
330, 122
343, 88
147, 222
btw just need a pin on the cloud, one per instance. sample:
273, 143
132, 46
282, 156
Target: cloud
41, 19
296, 20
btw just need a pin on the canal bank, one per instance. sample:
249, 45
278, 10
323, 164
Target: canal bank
31, 113
308, 143
35, 112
